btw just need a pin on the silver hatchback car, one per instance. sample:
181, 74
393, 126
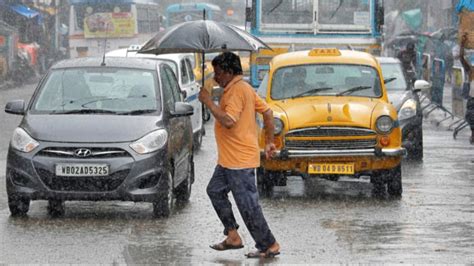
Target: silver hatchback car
102, 130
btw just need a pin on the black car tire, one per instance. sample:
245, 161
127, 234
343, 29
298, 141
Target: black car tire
394, 182
265, 182
378, 183
183, 191
164, 201
206, 114
56, 208
416, 153
18, 206
197, 139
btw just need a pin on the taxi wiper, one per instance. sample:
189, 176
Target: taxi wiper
311, 91
138, 112
351, 90
83, 111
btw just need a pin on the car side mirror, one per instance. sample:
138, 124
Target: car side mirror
421, 85
16, 107
182, 109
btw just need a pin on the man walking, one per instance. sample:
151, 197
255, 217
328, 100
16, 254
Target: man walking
238, 156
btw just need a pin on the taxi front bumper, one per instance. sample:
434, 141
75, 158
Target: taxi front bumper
376, 152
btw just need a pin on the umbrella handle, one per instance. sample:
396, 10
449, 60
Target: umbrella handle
202, 70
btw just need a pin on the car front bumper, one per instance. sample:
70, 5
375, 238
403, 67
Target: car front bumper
132, 177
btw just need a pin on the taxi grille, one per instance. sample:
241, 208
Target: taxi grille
368, 141
85, 184
331, 132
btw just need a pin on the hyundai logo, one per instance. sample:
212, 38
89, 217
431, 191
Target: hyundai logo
83, 153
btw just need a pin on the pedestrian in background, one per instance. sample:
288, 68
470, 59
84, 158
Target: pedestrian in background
238, 156
469, 84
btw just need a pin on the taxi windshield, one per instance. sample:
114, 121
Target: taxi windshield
325, 80
98, 90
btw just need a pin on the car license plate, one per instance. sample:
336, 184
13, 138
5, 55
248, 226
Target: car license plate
82, 170
331, 168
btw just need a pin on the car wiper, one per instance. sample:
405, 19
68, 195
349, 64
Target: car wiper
351, 90
83, 111
311, 91
137, 112
389, 80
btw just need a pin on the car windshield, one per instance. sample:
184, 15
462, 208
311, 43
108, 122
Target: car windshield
390, 71
98, 90
325, 80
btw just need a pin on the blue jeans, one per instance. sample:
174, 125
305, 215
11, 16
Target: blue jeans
244, 189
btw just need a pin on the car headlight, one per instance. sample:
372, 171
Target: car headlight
21, 141
407, 110
150, 142
278, 124
384, 124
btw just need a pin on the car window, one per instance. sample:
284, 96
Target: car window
325, 80
262, 89
190, 70
184, 72
113, 89
170, 87
391, 70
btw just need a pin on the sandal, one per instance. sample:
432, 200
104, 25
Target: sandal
224, 246
262, 254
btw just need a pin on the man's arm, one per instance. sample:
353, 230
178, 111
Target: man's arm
465, 64
269, 133
221, 116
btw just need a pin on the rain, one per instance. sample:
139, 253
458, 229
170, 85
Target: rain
110, 134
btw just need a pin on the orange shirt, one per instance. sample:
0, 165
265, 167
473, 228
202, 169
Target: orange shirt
238, 146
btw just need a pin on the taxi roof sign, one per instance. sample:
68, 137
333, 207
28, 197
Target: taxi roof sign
324, 52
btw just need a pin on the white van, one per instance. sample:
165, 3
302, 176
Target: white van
182, 65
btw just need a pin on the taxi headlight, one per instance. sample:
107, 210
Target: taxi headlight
384, 124
150, 142
21, 141
407, 110
278, 124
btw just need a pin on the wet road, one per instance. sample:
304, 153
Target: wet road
315, 221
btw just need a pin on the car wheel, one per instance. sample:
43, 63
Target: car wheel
206, 114
394, 182
18, 206
416, 153
56, 208
378, 183
265, 182
164, 201
183, 191
197, 140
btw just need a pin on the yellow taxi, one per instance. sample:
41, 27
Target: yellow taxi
332, 119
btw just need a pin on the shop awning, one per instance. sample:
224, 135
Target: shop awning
24, 11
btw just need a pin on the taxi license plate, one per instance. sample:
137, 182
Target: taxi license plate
331, 168
82, 170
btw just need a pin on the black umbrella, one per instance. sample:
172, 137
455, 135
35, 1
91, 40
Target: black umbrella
202, 36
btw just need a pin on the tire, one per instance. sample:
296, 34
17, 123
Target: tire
394, 182
378, 183
56, 208
183, 191
197, 140
164, 201
416, 153
18, 206
206, 114
265, 182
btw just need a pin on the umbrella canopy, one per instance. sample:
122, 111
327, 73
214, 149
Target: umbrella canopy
202, 36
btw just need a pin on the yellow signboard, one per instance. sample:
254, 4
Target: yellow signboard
110, 25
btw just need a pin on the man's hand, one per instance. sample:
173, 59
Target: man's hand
463, 40
270, 150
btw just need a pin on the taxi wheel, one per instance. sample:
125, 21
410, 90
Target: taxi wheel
56, 208
378, 183
163, 204
394, 182
265, 182
197, 141
206, 114
18, 206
